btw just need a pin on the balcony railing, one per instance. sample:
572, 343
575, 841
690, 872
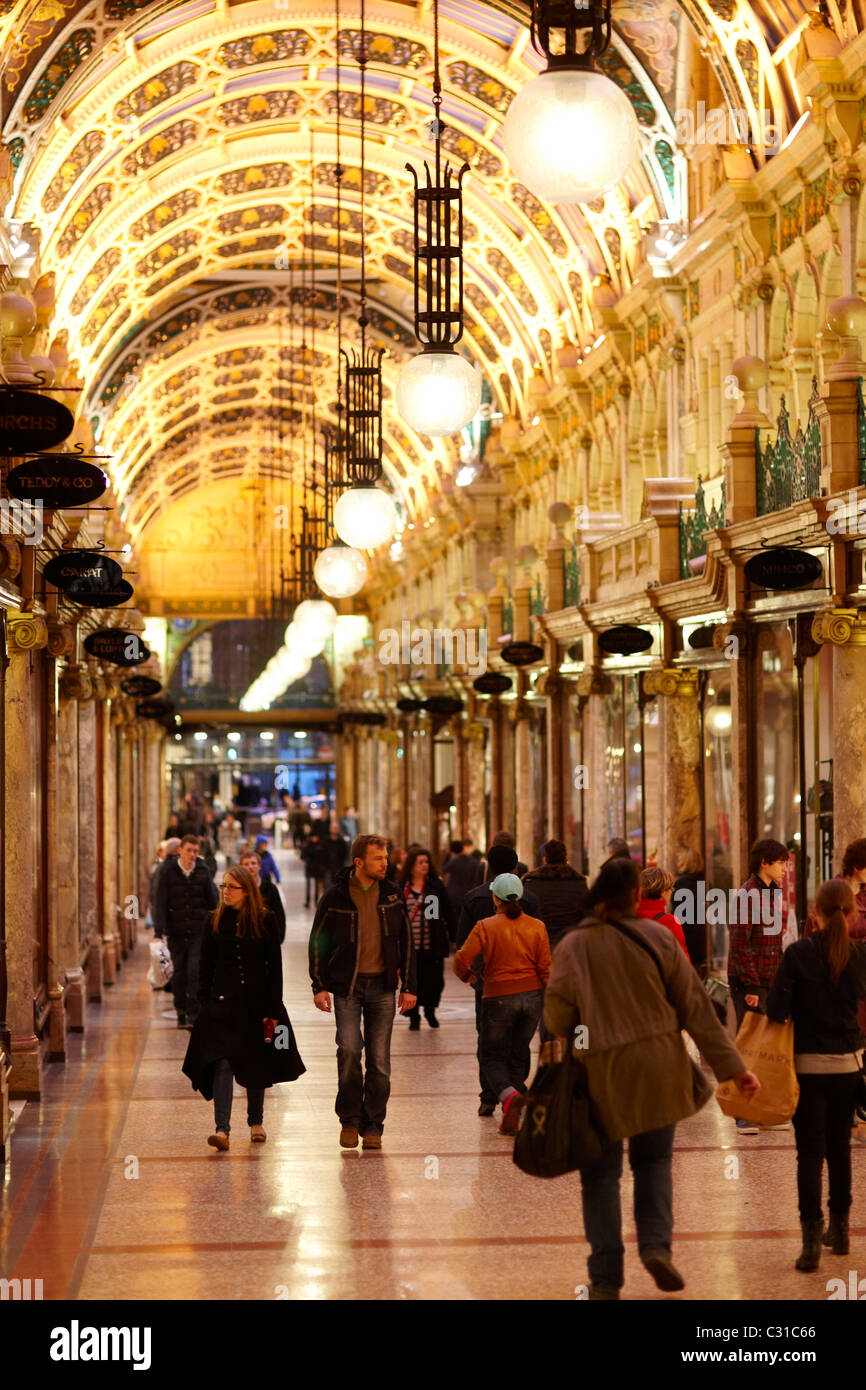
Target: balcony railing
571, 577
789, 470
694, 526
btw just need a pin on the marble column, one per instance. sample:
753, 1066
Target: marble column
474, 813
497, 798
89, 906
592, 687
74, 686
111, 953
420, 811
126, 887
845, 628
680, 758
521, 714
732, 639
558, 753
27, 634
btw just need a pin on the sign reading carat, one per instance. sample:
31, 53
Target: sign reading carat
82, 566
29, 422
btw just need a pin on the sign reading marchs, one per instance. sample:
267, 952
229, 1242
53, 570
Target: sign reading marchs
61, 484
29, 422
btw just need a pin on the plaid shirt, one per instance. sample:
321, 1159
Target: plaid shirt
755, 950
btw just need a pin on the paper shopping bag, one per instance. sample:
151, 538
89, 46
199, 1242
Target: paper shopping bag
767, 1048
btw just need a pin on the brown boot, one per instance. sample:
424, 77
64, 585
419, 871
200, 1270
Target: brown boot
371, 1141
348, 1137
257, 1134
219, 1141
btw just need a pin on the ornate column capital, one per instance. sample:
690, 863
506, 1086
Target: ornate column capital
670, 681
592, 682
841, 626
731, 638
27, 632
61, 639
76, 684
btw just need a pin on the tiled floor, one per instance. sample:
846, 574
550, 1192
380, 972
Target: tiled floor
112, 1192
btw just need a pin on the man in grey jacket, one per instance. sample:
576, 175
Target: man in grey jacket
630, 988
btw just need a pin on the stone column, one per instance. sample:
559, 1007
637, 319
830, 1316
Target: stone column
126, 886
108, 832
74, 687
680, 758
27, 634
474, 813
592, 687
846, 629
420, 811
89, 906
836, 408
555, 689
521, 714
497, 796
739, 449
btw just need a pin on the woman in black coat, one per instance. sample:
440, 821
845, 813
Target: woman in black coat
432, 923
243, 1032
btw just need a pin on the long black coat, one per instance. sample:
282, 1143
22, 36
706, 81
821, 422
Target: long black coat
240, 985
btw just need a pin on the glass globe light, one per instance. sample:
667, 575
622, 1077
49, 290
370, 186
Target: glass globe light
438, 393
365, 517
340, 571
302, 643
570, 135
315, 615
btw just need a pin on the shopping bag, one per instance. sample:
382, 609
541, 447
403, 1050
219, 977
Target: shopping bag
560, 1131
767, 1048
161, 967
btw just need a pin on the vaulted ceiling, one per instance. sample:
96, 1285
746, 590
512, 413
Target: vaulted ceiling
180, 160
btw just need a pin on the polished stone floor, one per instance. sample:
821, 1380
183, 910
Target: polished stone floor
111, 1191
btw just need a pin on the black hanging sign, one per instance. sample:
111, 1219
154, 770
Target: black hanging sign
87, 566
444, 705
154, 709
492, 683
64, 483
117, 645
625, 640
140, 687
407, 706
521, 653
113, 596
783, 568
29, 422
701, 638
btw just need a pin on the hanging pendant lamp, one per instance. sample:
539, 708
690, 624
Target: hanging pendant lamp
571, 134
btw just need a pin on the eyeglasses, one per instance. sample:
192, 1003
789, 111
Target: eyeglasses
231, 888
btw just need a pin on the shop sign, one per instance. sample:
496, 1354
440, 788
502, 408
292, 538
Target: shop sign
702, 637
365, 717
117, 645
522, 653
140, 687
56, 484
154, 709
407, 706
492, 683
29, 422
625, 640
83, 566
87, 595
443, 705
783, 568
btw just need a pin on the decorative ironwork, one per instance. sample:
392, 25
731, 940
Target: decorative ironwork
590, 21
694, 527
789, 470
861, 430
571, 577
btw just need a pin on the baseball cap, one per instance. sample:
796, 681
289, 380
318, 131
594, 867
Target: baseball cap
506, 886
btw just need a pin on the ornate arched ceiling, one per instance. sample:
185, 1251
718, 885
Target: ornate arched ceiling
165, 152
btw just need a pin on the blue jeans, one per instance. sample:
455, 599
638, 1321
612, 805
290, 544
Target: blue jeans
650, 1157
223, 1085
487, 1094
508, 1024
362, 1095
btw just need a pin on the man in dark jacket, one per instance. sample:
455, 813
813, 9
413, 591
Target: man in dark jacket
252, 860
462, 872
478, 904
559, 888
186, 895
505, 837
360, 946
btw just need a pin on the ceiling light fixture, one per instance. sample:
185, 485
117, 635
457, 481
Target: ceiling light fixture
438, 392
571, 134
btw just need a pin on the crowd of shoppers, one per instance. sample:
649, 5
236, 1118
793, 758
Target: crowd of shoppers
627, 957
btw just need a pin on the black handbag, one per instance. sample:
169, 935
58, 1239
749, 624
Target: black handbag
560, 1131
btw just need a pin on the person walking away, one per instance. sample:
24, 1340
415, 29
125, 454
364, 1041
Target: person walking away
461, 873
516, 954
185, 896
559, 890
315, 856
361, 953
617, 849
819, 984
755, 947
349, 824
269, 864
336, 854
243, 1032
628, 982
207, 850
654, 884
172, 830
251, 861
478, 904
687, 899
228, 835
505, 837
429, 913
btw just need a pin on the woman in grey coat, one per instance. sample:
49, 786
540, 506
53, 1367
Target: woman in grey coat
629, 984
